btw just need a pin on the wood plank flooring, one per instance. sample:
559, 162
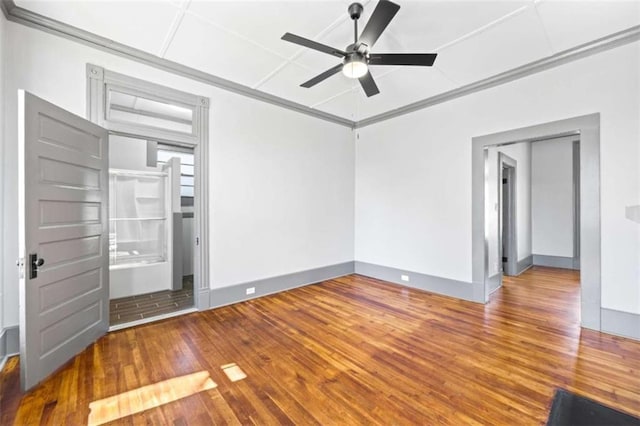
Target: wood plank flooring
353, 350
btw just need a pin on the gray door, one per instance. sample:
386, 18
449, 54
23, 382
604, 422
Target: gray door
505, 218
508, 212
64, 285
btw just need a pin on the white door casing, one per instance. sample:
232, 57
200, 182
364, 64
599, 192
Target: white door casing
63, 211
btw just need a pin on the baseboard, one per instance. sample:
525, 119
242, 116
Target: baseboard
9, 344
524, 264
433, 284
620, 323
237, 293
553, 261
203, 299
495, 282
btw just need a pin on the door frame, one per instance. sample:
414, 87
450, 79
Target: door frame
506, 162
576, 203
99, 82
588, 129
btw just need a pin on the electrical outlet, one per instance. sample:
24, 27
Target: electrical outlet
404, 277
251, 290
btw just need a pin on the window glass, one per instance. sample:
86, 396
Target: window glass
186, 168
128, 108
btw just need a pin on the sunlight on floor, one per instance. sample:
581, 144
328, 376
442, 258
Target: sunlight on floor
233, 372
147, 397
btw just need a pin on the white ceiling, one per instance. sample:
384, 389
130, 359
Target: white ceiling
240, 40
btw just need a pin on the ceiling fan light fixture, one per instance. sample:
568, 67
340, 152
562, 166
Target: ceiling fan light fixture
355, 66
357, 56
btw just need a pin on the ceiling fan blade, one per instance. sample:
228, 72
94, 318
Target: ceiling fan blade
313, 45
422, 59
369, 85
321, 77
380, 18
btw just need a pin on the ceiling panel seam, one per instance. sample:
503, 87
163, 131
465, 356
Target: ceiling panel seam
354, 86
272, 74
442, 48
446, 76
208, 21
611, 41
31, 19
544, 29
173, 29
483, 28
337, 95
25, 17
299, 52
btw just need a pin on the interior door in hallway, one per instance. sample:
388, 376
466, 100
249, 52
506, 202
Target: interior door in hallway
64, 285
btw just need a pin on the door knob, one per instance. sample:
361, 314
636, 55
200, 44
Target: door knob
35, 263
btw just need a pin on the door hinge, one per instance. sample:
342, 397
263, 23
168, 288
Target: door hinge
505, 259
197, 241
20, 265
504, 180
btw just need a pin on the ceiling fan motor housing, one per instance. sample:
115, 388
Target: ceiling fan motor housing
355, 10
357, 56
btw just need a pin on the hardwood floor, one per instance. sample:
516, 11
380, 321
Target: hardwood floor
353, 350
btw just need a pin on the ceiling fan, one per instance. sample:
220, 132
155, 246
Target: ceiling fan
357, 57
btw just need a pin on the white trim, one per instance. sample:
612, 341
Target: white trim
611, 41
31, 19
625, 324
9, 344
120, 172
98, 82
433, 284
588, 127
554, 261
151, 319
524, 264
237, 293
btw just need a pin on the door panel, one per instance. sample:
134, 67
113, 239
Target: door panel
64, 173
64, 220
68, 213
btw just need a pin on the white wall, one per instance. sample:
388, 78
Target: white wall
3, 61
129, 154
521, 153
283, 192
552, 197
413, 173
281, 186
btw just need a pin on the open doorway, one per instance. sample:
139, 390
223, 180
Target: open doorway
555, 202
151, 229
152, 120
532, 207
507, 214
584, 199
508, 218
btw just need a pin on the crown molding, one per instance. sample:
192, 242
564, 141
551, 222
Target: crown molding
23, 16
31, 19
6, 6
596, 46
